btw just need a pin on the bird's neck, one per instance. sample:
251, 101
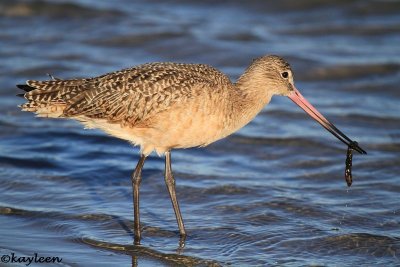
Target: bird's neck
249, 98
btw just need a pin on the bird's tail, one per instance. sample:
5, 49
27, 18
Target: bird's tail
43, 98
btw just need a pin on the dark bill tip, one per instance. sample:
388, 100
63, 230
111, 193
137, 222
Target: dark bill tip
354, 145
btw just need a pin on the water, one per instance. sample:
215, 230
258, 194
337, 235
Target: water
271, 194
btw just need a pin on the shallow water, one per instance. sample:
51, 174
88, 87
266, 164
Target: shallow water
271, 194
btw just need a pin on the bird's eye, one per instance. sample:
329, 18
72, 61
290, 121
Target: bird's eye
285, 74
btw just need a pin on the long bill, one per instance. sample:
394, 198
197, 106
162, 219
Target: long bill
298, 98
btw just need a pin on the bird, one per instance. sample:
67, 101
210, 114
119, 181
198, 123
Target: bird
163, 106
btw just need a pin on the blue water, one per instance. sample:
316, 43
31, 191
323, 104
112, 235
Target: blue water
271, 194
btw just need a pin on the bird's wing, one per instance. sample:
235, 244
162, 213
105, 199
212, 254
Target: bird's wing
131, 95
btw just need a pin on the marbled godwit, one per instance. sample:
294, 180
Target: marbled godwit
162, 106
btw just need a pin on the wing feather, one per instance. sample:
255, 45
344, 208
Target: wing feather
127, 96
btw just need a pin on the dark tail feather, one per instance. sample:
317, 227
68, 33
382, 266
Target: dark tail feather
52, 77
25, 87
20, 95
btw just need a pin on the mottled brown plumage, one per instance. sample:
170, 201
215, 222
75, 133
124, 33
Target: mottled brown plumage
198, 102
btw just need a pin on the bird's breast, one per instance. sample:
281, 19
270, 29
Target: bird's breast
193, 123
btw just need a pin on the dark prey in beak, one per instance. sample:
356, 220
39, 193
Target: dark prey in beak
297, 98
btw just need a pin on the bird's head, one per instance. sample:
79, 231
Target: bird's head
274, 75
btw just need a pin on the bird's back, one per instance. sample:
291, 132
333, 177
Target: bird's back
126, 96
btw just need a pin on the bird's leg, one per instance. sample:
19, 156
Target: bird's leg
170, 182
136, 179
